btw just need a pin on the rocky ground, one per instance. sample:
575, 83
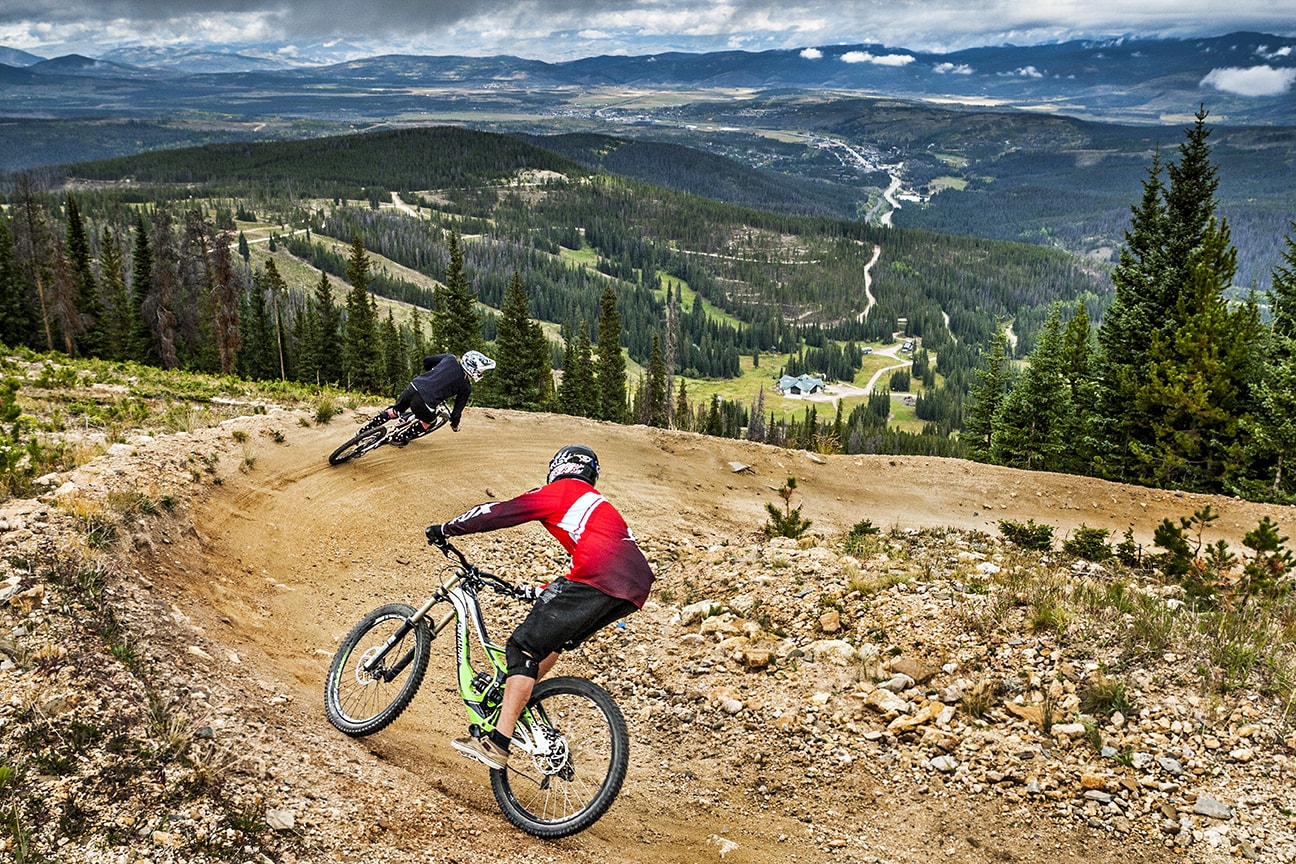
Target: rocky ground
929, 692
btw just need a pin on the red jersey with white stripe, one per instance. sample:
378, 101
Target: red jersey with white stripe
603, 551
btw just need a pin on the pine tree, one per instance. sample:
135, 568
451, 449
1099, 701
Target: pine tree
273, 288
119, 314
195, 307
756, 428
164, 281
142, 346
1030, 423
89, 341
576, 393
1167, 229
256, 351
419, 340
15, 323
226, 289
522, 369
362, 360
656, 394
1282, 288
329, 333
34, 254
1194, 389
609, 365
1078, 374
671, 351
683, 413
456, 326
395, 359
244, 252
985, 398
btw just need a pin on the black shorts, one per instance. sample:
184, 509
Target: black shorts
411, 400
567, 614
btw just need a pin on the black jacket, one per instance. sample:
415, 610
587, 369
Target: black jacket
444, 377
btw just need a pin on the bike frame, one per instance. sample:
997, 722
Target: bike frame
481, 690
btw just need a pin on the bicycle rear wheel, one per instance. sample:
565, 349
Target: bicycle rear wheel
361, 701
361, 444
567, 789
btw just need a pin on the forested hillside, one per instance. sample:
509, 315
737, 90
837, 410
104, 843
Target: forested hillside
554, 264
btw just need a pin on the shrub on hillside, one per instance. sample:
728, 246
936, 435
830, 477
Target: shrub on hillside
786, 522
1089, 544
1028, 536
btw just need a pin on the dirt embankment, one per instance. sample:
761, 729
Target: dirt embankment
285, 555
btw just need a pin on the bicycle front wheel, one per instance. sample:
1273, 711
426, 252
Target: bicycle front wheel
368, 688
581, 752
362, 443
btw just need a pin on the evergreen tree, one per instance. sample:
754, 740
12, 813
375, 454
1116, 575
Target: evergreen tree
306, 352
119, 322
1282, 289
1271, 434
328, 334
522, 362
421, 347
1168, 227
576, 393
985, 397
1030, 423
86, 300
226, 290
256, 357
273, 289
244, 252
683, 413
164, 282
756, 428
1194, 392
396, 362
362, 360
34, 253
712, 425
609, 365
15, 323
671, 351
1078, 374
456, 326
655, 393
142, 346
195, 302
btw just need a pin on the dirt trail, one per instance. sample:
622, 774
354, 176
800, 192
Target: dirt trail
295, 551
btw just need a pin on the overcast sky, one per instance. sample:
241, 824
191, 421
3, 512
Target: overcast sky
565, 29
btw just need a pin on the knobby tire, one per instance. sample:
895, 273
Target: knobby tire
360, 703
552, 805
362, 443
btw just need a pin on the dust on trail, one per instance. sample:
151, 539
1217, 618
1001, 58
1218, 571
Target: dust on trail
288, 556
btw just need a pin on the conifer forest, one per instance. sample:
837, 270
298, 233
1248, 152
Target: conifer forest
342, 262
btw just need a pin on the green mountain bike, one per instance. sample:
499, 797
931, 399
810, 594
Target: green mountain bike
571, 748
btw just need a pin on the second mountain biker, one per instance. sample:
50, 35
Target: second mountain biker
444, 375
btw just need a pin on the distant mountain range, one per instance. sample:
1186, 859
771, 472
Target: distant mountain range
1244, 78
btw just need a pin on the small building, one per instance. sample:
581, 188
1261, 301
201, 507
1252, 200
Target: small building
799, 385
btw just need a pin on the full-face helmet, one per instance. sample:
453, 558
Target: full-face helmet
476, 364
574, 460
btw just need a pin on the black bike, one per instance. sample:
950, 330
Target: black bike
570, 746
367, 440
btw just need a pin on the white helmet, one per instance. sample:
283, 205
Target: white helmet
476, 364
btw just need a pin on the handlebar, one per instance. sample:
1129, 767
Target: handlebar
478, 576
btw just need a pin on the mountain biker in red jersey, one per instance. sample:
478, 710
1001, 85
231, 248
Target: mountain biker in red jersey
609, 579
444, 375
